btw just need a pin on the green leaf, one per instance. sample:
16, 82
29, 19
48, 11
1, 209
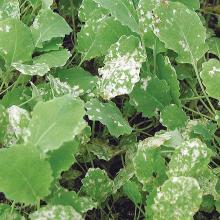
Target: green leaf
214, 46
148, 163
173, 117
3, 122
109, 115
89, 8
9, 9
167, 72
190, 159
178, 198
171, 23
51, 45
78, 77
44, 3
122, 67
48, 25
62, 158
96, 36
55, 122
192, 4
25, 177
70, 198
97, 184
132, 191
56, 212
150, 95
56, 58
6, 213
37, 69
16, 43
145, 17
123, 11
211, 77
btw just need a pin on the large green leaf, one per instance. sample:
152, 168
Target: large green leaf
48, 25
122, 67
57, 58
97, 35
123, 11
150, 95
97, 184
189, 159
16, 43
9, 9
214, 46
210, 75
109, 115
192, 4
173, 24
56, 212
24, 176
178, 198
55, 122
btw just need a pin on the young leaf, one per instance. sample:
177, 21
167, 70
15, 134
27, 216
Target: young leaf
122, 67
132, 191
25, 177
16, 43
48, 25
171, 23
56, 58
214, 46
210, 75
190, 159
96, 36
109, 115
56, 212
150, 95
37, 69
123, 11
173, 117
55, 122
62, 158
70, 198
9, 9
178, 198
97, 184
167, 72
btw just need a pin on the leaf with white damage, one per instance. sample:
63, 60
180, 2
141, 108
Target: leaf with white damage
56, 121
123, 11
122, 67
16, 44
9, 9
28, 177
108, 114
97, 184
178, 198
210, 75
189, 159
56, 212
48, 25
32, 70
171, 23
98, 34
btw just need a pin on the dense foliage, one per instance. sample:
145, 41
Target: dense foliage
109, 109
